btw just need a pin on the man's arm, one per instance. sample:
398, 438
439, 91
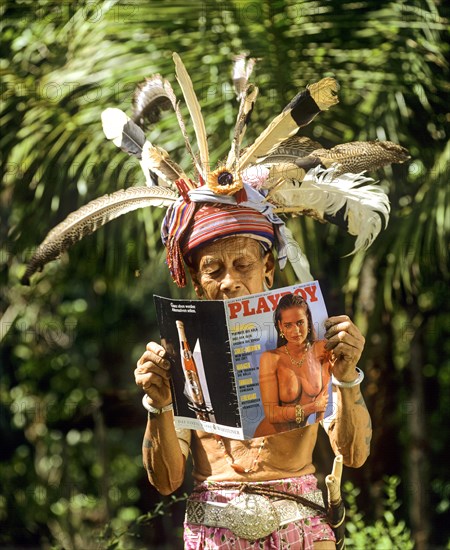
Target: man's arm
161, 451
350, 430
162, 455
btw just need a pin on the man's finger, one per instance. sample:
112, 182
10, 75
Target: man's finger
148, 380
150, 356
343, 337
346, 352
149, 367
156, 348
343, 326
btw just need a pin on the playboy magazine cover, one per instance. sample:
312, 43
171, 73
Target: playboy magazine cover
250, 366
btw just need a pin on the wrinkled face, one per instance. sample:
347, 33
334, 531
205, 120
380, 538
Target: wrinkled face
294, 325
231, 267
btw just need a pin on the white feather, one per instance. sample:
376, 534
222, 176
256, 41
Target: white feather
248, 99
322, 193
242, 69
297, 258
195, 111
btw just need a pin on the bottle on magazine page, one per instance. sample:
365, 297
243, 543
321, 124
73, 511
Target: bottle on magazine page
191, 374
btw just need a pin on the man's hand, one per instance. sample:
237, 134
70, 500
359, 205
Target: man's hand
347, 343
152, 374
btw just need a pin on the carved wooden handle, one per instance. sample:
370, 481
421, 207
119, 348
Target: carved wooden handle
333, 481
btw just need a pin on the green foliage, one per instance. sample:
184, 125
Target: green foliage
386, 533
70, 417
128, 538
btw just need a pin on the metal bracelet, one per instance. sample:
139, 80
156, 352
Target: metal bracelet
153, 410
355, 382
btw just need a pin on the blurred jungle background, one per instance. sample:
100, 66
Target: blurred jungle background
71, 417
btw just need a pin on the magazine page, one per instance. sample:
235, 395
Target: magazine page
288, 372
232, 374
195, 335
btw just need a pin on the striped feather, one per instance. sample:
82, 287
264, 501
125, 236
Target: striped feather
301, 111
149, 99
291, 149
357, 156
87, 219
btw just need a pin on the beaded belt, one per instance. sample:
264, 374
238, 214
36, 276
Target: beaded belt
252, 516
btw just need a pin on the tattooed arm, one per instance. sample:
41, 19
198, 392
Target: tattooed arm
350, 430
162, 452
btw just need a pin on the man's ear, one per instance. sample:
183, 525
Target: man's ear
269, 268
195, 281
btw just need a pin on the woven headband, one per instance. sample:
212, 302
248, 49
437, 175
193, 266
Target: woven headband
189, 226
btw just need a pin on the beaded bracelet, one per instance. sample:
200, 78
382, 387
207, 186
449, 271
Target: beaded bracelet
153, 410
355, 382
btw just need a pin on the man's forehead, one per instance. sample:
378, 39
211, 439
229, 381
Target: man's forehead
236, 246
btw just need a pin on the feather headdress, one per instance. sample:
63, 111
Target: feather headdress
280, 173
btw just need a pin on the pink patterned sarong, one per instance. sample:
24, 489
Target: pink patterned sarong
298, 535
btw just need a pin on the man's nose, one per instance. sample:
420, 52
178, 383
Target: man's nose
230, 281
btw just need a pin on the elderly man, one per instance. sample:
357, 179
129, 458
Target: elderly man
228, 253
224, 227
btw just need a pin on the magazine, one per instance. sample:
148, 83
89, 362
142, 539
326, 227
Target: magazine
216, 347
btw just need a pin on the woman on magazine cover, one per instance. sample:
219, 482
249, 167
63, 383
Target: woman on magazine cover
295, 375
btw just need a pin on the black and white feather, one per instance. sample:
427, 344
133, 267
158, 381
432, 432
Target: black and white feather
298, 113
127, 135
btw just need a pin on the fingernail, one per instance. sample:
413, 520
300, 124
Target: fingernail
161, 352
